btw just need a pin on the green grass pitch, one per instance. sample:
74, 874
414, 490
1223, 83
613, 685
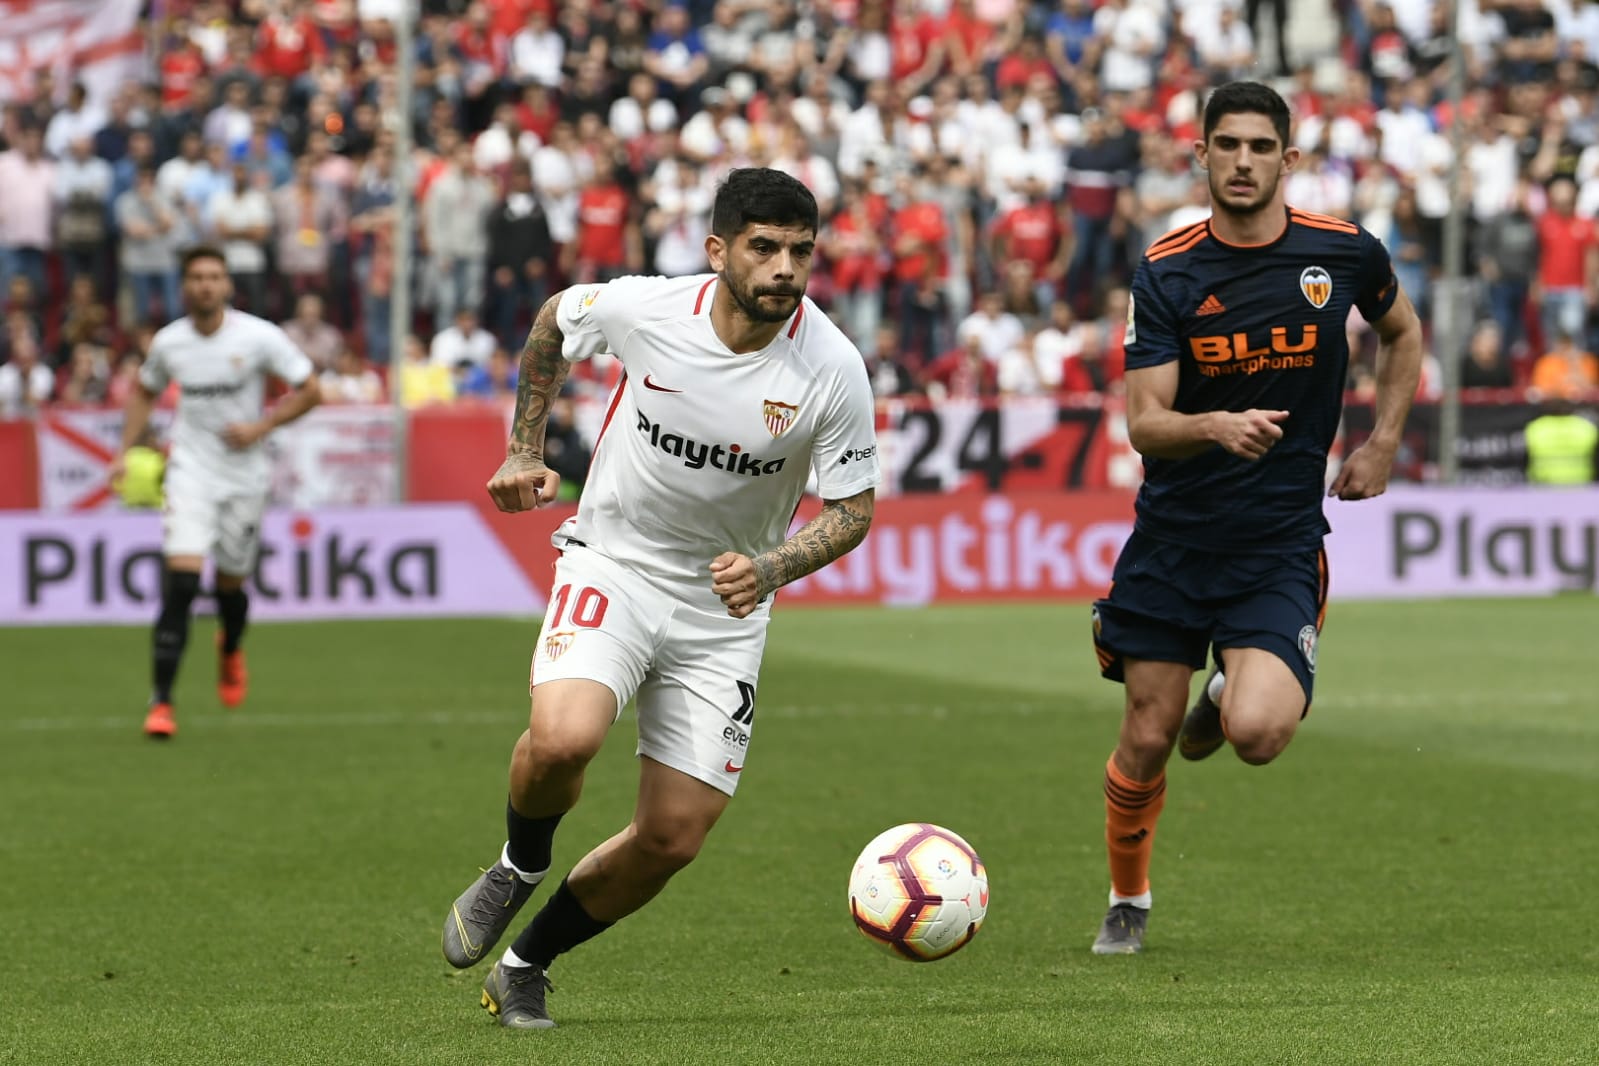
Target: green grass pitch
1411, 883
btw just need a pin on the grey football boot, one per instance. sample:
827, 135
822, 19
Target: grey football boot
1201, 735
1123, 930
480, 916
515, 995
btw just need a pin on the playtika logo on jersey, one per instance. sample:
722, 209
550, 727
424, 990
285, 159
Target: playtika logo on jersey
696, 456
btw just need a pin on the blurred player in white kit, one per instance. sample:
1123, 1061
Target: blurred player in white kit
217, 474
734, 387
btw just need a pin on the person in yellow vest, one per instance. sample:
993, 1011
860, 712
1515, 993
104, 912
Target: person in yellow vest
1560, 447
144, 470
422, 382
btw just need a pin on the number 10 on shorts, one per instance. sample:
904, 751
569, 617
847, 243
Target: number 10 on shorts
588, 607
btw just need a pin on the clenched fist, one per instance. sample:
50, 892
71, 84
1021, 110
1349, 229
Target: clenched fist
1249, 434
734, 579
522, 483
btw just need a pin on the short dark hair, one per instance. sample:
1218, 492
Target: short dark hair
1247, 98
762, 195
194, 253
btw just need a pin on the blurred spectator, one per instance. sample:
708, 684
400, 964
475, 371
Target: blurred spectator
537, 51
1568, 264
25, 382
266, 157
1054, 345
963, 374
82, 196
565, 450
675, 56
149, 229
1566, 370
78, 121
1507, 260
28, 179
520, 251
608, 242
1035, 233
229, 123
995, 331
240, 216
493, 380
312, 333
1561, 446
455, 216
888, 375
679, 218
1092, 369
371, 230
310, 219
1485, 365
86, 378
464, 341
348, 379
423, 382
852, 244
1095, 171
85, 318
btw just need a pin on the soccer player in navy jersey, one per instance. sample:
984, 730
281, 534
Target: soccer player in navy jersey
1236, 360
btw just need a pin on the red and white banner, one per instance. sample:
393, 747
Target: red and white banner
333, 457
96, 42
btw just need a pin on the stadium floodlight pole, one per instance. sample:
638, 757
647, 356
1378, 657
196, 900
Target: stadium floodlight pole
1452, 299
400, 241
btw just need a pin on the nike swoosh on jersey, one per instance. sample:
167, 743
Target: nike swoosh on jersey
648, 384
730, 768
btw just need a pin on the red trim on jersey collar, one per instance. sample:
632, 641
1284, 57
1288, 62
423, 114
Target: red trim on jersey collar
797, 316
700, 300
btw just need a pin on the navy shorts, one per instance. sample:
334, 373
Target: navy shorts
1172, 603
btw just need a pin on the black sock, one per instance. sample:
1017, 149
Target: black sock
233, 605
561, 925
172, 629
528, 840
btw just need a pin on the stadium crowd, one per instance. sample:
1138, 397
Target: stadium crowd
988, 171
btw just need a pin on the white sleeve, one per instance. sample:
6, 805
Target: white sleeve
844, 454
283, 357
597, 318
153, 374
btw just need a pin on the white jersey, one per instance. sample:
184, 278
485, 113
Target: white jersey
221, 381
703, 450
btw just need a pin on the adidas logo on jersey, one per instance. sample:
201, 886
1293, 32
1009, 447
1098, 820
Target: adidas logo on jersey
697, 456
1211, 306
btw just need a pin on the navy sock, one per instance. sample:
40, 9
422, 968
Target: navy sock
528, 840
172, 630
561, 925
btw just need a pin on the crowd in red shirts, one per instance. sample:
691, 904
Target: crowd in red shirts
989, 172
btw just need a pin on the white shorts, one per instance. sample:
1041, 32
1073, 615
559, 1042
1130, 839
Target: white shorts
227, 528
693, 668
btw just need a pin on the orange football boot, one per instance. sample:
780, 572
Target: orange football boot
233, 680
159, 724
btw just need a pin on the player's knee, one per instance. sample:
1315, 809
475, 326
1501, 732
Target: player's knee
1151, 724
666, 846
1258, 739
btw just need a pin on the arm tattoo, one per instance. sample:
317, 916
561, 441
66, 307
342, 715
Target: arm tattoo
830, 535
539, 382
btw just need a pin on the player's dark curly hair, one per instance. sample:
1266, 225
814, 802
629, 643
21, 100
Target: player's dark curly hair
196, 252
762, 195
1247, 98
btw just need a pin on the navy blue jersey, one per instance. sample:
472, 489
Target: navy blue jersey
1262, 327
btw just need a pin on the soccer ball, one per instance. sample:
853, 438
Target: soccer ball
918, 891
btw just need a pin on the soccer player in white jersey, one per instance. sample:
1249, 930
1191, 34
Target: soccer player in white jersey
216, 480
735, 387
